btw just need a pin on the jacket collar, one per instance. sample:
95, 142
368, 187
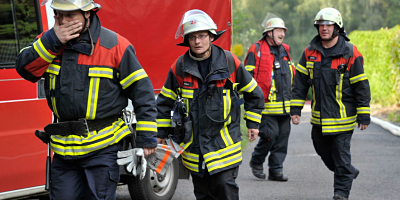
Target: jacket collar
83, 45
339, 50
218, 63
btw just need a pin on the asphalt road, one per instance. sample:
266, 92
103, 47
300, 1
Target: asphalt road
375, 152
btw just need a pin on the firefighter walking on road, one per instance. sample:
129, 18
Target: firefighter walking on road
90, 72
268, 61
205, 84
333, 68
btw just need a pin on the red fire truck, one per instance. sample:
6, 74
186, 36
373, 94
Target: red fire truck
149, 25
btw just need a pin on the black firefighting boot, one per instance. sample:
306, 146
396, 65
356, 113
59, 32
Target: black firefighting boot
257, 170
339, 197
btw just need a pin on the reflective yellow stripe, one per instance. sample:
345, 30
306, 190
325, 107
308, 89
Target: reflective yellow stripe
79, 145
358, 78
24, 48
135, 76
333, 129
316, 113
227, 108
310, 67
191, 166
146, 126
192, 158
53, 69
333, 121
252, 116
249, 87
339, 94
302, 69
220, 158
187, 93
42, 51
101, 72
250, 67
272, 91
52, 86
164, 123
291, 73
168, 93
363, 110
297, 102
92, 98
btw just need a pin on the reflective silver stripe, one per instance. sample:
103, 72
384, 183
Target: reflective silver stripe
222, 152
363, 110
358, 78
43, 53
297, 102
249, 87
347, 127
253, 116
101, 72
190, 156
302, 69
72, 145
92, 98
135, 76
168, 93
146, 126
187, 93
53, 69
342, 108
218, 164
190, 166
164, 122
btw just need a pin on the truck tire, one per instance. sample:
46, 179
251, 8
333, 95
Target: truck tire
153, 186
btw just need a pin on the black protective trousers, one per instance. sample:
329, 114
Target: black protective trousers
274, 139
90, 178
221, 186
334, 151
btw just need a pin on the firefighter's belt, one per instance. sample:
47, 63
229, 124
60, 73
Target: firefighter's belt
80, 127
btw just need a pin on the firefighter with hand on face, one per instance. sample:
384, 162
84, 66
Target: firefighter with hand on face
268, 61
209, 79
333, 68
90, 73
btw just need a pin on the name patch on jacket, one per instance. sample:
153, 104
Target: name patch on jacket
312, 58
188, 84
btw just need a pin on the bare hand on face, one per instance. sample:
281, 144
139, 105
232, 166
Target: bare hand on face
68, 31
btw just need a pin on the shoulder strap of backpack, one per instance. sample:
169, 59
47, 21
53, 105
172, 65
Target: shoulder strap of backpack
231, 62
350, 53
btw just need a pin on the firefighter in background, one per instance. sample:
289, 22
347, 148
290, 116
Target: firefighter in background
208, 80
268, 61
90, 72
333, 68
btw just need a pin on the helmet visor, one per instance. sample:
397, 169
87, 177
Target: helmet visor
323, 22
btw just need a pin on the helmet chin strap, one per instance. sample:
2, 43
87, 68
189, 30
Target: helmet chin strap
272, 37
334, 34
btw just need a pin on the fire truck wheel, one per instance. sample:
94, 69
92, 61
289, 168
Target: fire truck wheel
154, 186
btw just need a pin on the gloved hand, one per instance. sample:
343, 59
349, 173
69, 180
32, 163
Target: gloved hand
178, 149
161, 160
134, 161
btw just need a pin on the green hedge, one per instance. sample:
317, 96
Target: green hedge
381, 51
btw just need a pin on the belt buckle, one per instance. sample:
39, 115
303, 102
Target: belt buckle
86, 124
